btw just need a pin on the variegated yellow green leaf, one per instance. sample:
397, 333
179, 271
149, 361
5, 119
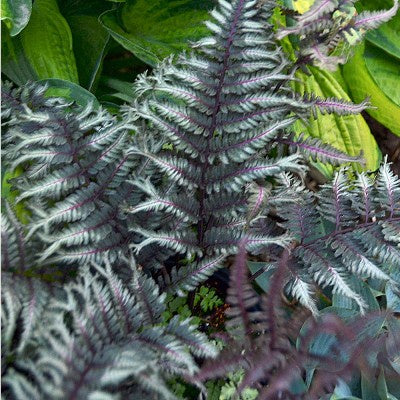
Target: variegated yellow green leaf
349, 134
302, 6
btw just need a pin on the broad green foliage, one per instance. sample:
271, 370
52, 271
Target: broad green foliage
90, 38
328, 29
16, 14
70, 91
385, 71
375, 69
350, 134
362, 84
152, 30
44, 47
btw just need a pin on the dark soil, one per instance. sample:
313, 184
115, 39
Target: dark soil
387, 142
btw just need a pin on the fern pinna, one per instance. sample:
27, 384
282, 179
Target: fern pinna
225, 110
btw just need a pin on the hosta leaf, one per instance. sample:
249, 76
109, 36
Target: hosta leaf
44, 47
153, 30
16, 14
387, 37
70, 91
90, 42
14, 62
385, 71
362, 84
90, 38
349, 134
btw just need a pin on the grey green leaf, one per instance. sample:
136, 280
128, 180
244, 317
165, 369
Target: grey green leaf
153, 30
16, 14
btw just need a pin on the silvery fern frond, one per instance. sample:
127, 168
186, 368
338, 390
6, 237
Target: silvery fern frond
274, 347
223, 108
24, 293
350, 228
101, 333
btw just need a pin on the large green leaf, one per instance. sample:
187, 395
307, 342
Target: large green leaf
70, 91
387, 37
90, 38
349, 134
44, 47
16, 14
384, 70
362, 84
90, 41
152, 30
15, 65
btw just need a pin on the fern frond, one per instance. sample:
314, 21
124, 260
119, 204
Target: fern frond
368, 20
269, 357
327, 31
337, 106
241, 296
195, 274
74, 164
103, 333
221, 109
347, 236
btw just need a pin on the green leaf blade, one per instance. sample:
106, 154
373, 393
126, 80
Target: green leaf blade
362, 84
43, 49
16, 14
350, 134
154, 30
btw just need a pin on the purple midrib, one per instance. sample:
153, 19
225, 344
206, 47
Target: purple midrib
213, 124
